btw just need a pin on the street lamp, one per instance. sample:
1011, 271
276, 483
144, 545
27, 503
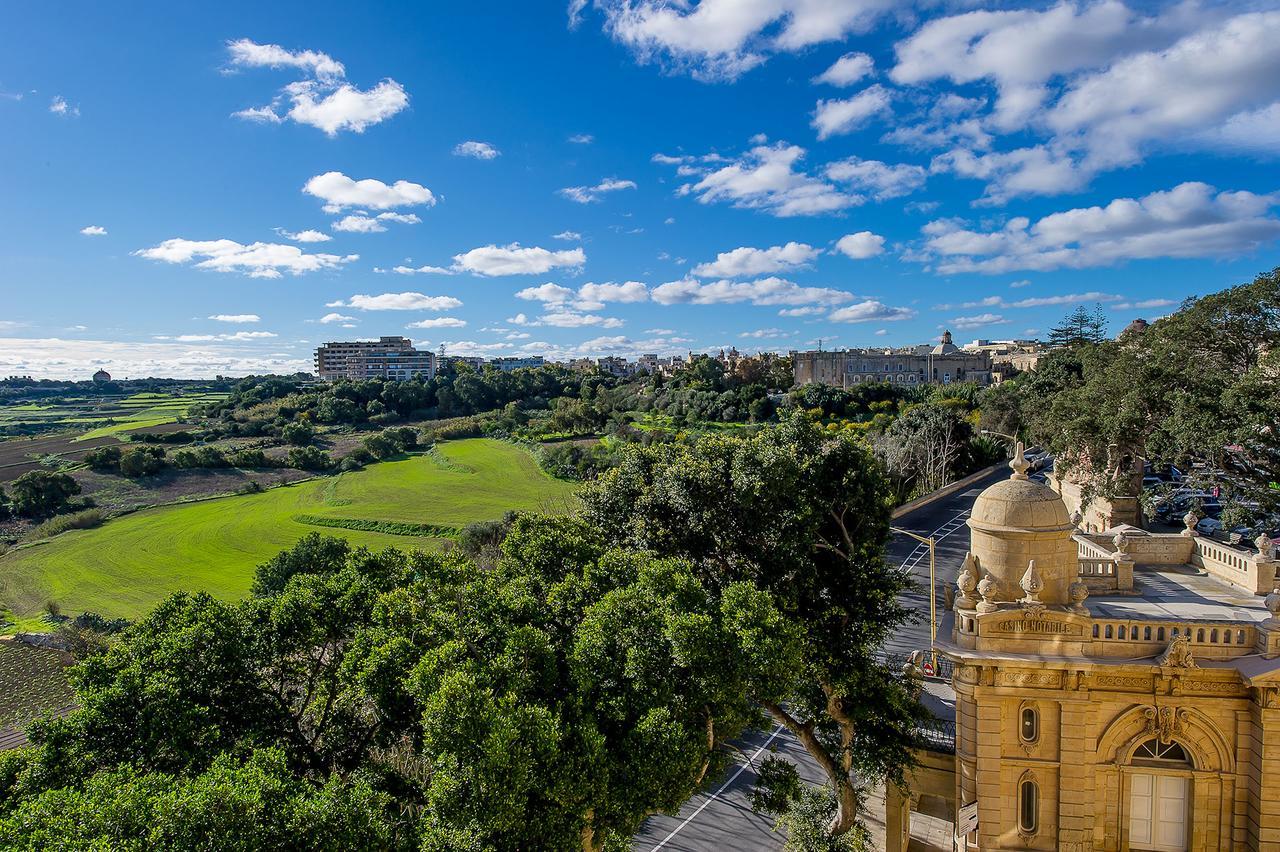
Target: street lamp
933, 594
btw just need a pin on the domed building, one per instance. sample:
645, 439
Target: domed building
1112, 691
101, 377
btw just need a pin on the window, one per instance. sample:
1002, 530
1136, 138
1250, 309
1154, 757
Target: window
1029, 730
1028, 807
1158, 752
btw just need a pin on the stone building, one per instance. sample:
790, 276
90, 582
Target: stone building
1112, 691
385, 358
941, 364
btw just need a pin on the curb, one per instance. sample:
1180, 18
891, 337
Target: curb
946, 490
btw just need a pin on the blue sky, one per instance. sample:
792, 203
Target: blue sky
190, 191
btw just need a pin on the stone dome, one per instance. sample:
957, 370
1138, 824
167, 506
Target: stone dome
1020, 504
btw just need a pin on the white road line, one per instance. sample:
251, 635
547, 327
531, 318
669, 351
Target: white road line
716, 794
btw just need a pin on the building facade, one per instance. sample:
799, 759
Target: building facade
937, 365
1113, 691
507, 363
392, 358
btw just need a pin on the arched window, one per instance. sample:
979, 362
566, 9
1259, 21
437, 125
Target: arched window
1029, 728
1154, 751
1028, 807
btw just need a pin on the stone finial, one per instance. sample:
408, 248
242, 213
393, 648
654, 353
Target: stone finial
1078, 592
1033, 585
1121, 542
1266, 547
967, 582
1019, 461
988, 588
1178, 654
1189, 520
1076, 518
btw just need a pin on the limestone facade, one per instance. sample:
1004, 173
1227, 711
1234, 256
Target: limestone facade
1146, 718
941, 364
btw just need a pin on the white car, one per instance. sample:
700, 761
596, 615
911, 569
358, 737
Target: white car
1209, 526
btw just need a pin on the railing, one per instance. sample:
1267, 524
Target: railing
1090, 550
938, 735
1221, 640
1234, 566
943, 670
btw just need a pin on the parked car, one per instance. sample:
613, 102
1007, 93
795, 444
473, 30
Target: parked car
1209, 527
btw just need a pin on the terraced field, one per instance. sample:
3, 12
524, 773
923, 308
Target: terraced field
101, 416
125, 566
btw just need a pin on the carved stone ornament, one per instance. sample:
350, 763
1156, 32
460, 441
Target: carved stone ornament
1121, 542
1033, 586
1019, 462
1178, 654
988, 588
967, 582
1189, 520
1164, 723
1272, 603
1266, 547
1078, 592
1076, 518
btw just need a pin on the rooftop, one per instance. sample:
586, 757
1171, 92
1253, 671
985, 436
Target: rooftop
1178, 592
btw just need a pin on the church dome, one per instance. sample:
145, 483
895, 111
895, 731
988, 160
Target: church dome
1020, 504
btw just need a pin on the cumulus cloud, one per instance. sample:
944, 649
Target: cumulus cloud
588, 194
397, 302
1191, 220
257, 260
94, 231
438, 322
330, 318
766, 179
59, 106
205, 338
870, 310
310, 236
746, 261
324, 99
589, 297
878, 179
548, 292
573, 319
722, 39
359, 223
1144, 304
571, 236
421, 270
845, 115
60, 358
766, 291
861, 245
339, 192
512, 259
236, 318
476, 150
976, 321
1036, 301
847, 70
766, 333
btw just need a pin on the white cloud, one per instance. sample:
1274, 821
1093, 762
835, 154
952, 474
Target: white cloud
847, 70
476, 150
58, 358
861, 245
551, 293
838, 117
626, 292
1034, 170
812, 310
976, 321
94, 231
766, 333
257, 260
1018, 284
514, 260
722, 39
746, 261
311, 236
659, 331
571, 236
239, 336
588, 194
398, 302
339, 192
766, 291
1145, 303
1036, 301
765, 179
59, 106
335, 317
361, 224
472, 348
582, 139
236, 318
421, 270
573, 319
870, 310
325, 101
876, 178
1190, 220
438, 322
589, 297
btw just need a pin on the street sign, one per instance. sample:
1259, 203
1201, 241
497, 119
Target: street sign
928, 668
967, 819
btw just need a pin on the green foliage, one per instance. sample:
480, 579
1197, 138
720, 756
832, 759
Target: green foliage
299, 433
387, 527
309, 458
806, 823
82, 520
103, 459
1081, 327
199, 457
141, 461
41, 493
249, 458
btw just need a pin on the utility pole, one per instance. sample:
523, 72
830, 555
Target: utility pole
933, 593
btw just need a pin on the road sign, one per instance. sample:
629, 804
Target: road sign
928, 667
967, 819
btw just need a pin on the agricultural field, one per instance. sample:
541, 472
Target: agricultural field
33, 683
125, 566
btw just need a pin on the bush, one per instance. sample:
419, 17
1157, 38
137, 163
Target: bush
249, 458
41, 493
381, 446
104, 459
83, 520
141, 461
299, 433
199, 457
309, 458
349, 464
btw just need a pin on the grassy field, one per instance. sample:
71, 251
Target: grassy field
125, 566
107, 415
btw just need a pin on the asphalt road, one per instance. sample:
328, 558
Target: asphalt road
721, 819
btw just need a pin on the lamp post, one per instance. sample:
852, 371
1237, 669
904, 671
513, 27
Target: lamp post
933, 593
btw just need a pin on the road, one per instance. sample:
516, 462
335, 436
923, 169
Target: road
721, 819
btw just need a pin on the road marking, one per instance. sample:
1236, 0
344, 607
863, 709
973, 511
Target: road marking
723, 787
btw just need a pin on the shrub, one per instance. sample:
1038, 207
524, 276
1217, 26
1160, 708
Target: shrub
349, 464
141, 461
41, 493
309, 458
249, 458
299, 433
381, 446
103, 459
199, 457
83, 520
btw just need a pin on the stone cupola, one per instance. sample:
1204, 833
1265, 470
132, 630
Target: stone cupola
1016, 524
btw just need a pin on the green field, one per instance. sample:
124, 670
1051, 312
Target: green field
125, 566
108, 415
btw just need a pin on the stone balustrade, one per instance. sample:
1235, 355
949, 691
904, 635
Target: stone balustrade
1252, 572
1142, 638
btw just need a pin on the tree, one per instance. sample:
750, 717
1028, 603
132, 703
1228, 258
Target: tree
309, 458
299, 433
925, 447
41, 493
1080, 327
800, 520
103, 459
141, 461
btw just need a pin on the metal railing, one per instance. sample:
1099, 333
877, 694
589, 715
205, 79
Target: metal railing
938, 735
